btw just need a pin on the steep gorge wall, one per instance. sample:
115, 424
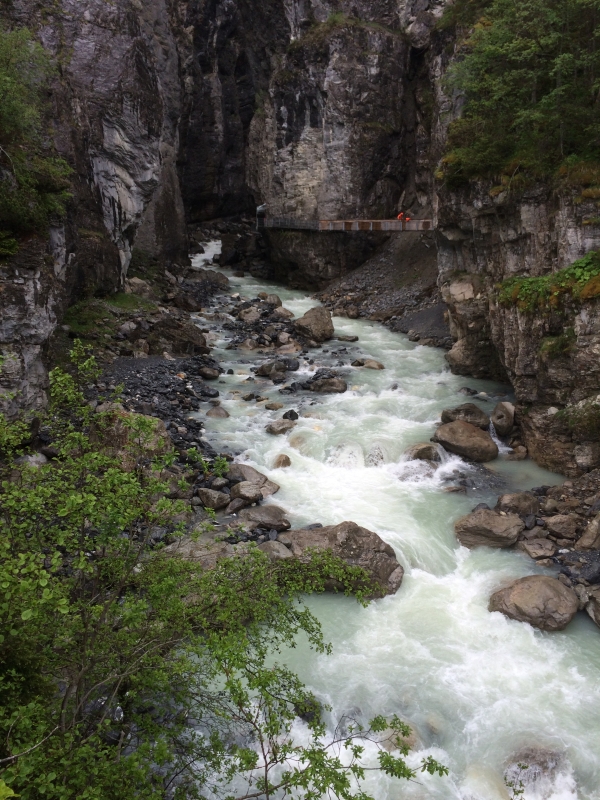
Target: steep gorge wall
484, 241
114, 110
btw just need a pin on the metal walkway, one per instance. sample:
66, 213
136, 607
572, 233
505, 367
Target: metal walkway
345, 224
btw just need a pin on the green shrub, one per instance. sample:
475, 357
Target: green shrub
583, 419
127, 671
561, 345
34, 183
580, 281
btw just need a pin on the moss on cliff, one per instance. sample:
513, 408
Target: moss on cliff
578, 282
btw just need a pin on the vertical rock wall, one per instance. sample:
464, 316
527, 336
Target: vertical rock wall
115, 110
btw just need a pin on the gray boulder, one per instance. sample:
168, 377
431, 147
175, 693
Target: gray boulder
486, 528
213, 499
327, 385
244, 472
522, 503
503, 417
541, 601
280, 426
538, 548
356, 546
423, 451
563, 525
246, 491
218, 412
466, 440
468, 412
275, 550
269, 517
590, 540
316, 324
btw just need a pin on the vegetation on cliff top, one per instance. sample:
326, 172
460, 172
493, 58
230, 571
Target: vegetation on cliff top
580, 281
33, 181
126, 671
529, 71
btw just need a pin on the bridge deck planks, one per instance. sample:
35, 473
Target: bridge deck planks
345, 224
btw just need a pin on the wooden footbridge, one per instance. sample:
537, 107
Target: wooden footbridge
288, 223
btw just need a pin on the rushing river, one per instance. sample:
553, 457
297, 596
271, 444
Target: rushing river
475, 687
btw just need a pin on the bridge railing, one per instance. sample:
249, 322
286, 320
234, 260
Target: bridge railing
290, 223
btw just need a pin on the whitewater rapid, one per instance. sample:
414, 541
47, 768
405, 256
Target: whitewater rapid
475, 687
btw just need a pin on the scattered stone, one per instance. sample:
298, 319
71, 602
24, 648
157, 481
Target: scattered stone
467, 441
316, 324
273, 300
244, 472
562, 525
213, 499
268, 517
538, 548
282, 313
280, 426
503, 418
282, 461
543, 602
291, 414
275, 550
273, 406
208, 373
468, 412
591, 536
217, 412
488, 528
522, 503
356, 546
249, 315
247, 491
370, 363
344, 338
423, 451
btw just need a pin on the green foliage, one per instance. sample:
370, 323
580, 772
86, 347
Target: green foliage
557, 346
516, 786
580, 281
127, 671
529, 73
33, 182
583, 419
220, 467
8, 244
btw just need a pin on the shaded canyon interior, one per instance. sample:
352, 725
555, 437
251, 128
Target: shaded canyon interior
177, 114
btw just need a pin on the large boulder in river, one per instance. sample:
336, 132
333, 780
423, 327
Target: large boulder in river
325, 381
466, 440
316, 324
486, 528
356, 546
422, 451
468, 412
503, 418
541, 601
280, 426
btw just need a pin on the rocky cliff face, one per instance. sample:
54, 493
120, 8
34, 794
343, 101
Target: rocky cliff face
552, 358
319, 108
115, 110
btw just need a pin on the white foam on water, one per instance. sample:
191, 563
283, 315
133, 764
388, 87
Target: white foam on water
477, 687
